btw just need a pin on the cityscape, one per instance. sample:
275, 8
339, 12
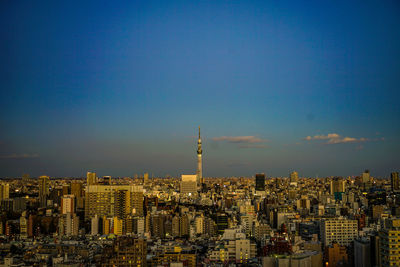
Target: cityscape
199, 221
212, 133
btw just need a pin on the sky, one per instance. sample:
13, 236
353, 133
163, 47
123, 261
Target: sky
120, 87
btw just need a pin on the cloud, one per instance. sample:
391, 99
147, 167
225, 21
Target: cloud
240, 139
20, 156
334, 138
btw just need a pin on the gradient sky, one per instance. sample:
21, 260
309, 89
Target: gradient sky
121, 87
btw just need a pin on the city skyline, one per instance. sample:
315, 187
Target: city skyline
121, 88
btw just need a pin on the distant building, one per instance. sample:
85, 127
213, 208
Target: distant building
44, 182
366, 176
260, 182
294, 177
188, 184
338, 185
4, 191
394, 179
67, 204
91, 178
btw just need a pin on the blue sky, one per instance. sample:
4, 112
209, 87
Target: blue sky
121, 88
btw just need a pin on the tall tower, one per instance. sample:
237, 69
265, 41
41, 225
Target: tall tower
199, 161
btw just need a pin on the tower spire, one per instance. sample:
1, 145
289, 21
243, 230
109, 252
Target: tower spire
199, 162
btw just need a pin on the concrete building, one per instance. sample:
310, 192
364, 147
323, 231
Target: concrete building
101, 200
336, 255
394, 181
362, 253
67, 204
294, 177
389, 243
43, 189
188, 184
343, 231
4, 191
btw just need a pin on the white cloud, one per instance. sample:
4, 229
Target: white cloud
240, 139
334, 138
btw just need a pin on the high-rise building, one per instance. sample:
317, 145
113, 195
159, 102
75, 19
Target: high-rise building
23, 224
118, 225
394, 179
4, 191
362, 253
68, 225
145, 178
188, 184
338, 185
122, 203
94, 230
199, 162
91, 178
342, 231
101, 200
260, 182
67, 204
366, 176
44, 182
77, 191
294, 177
389, 243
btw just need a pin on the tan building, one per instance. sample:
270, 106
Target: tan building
188, 184
389, 243
113, 200
4, 191
343, 231
77, 191
91, 178
335, 254
67, 204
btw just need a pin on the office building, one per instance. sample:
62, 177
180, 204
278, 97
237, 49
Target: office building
91, 178
4, 191
67, 204
105, 200
394, 179
362, 253
336, 255
342, 231
294, 177
260, 182
188, 184
43, 189
366, 176
337, 185
389, 243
